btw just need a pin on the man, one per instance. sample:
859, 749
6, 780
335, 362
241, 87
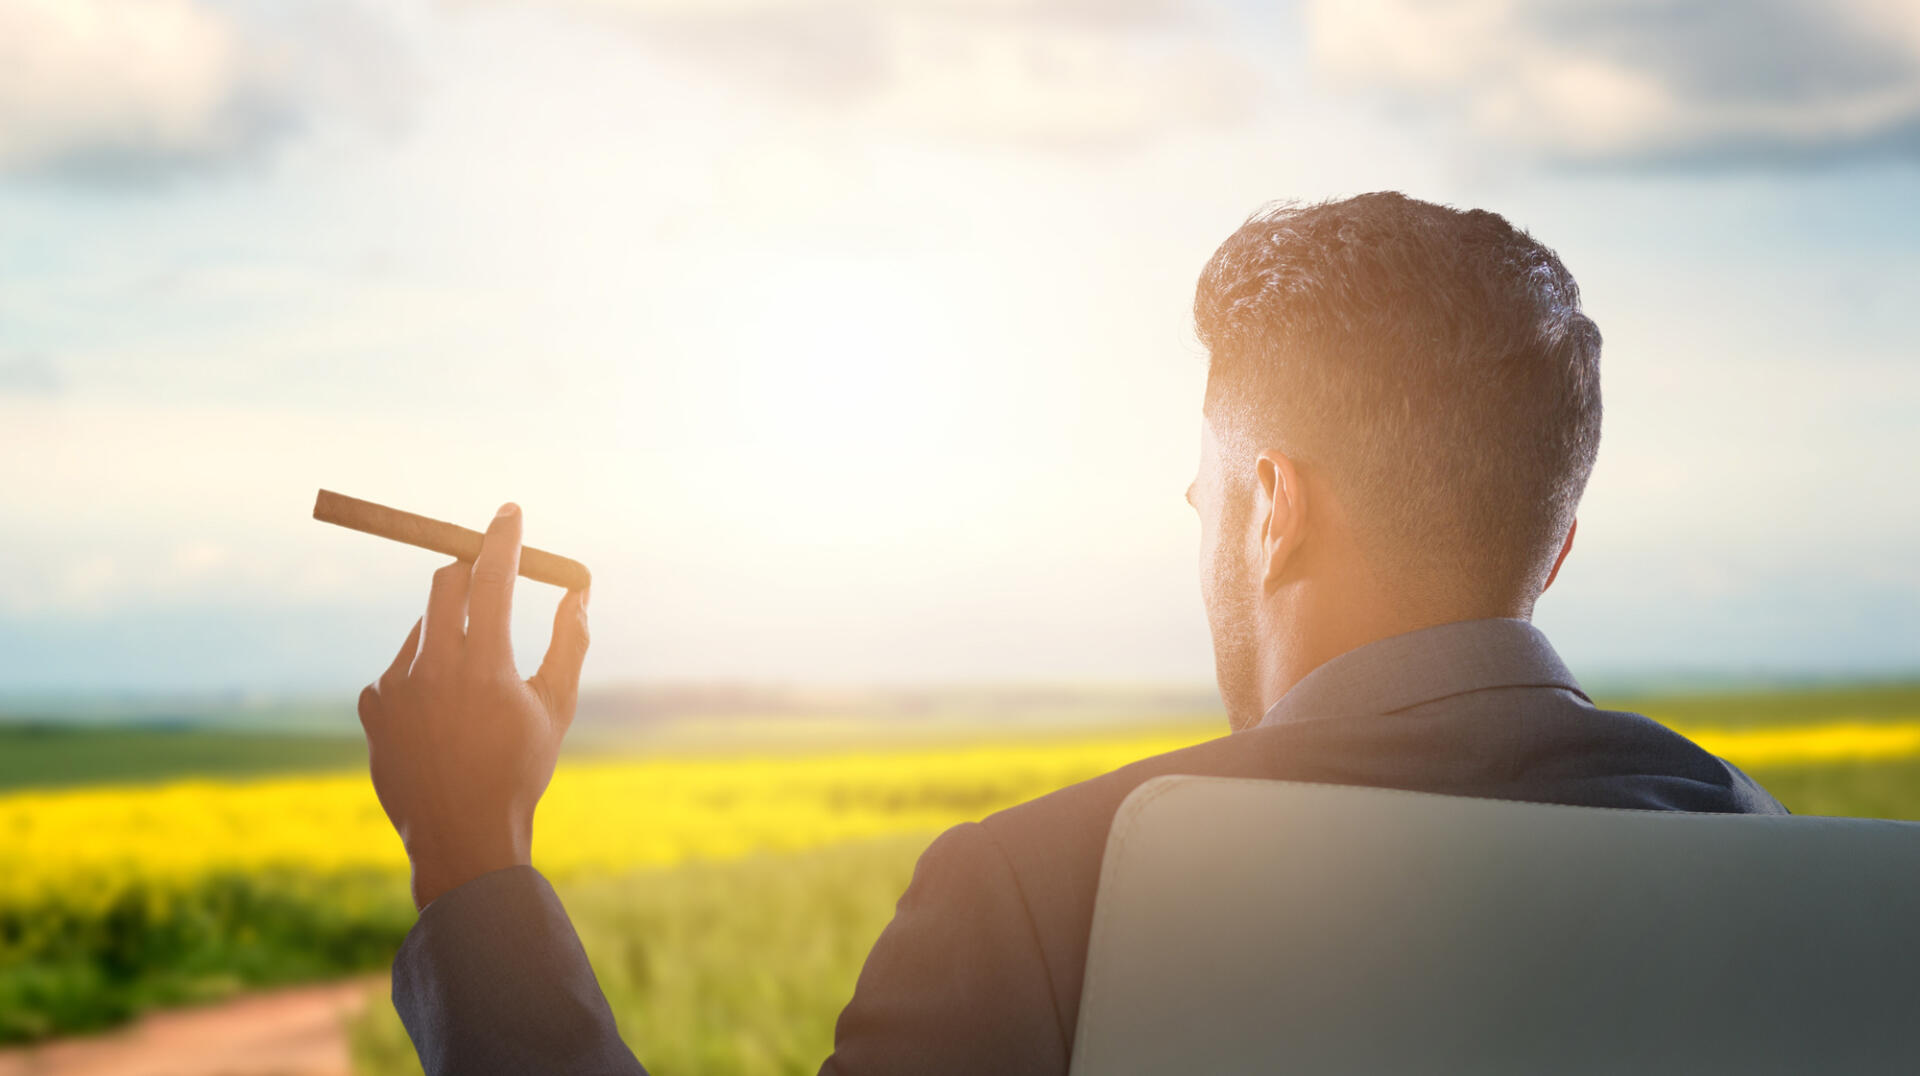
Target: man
1402, 409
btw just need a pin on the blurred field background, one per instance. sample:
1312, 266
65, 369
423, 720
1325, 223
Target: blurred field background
849, 342
728, 860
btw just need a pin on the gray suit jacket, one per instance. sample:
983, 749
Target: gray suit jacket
980, 969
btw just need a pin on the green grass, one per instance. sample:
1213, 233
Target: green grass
1872, 789
69, 965
713, 968
42, 754
742, 967
1799, 705
719, 969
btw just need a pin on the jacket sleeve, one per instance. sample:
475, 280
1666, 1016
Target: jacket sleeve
492, 979
957, 982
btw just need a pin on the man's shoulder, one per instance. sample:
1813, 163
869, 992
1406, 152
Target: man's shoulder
1054, 845
1555, 752
1079, 815
1086, 809
992, 933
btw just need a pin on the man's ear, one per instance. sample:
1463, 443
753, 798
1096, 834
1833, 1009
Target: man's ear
1283, 516
1565, 548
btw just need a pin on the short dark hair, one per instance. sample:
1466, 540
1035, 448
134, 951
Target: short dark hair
1434, 363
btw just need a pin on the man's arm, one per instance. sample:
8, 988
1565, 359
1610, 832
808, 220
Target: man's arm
956, 983
493, 980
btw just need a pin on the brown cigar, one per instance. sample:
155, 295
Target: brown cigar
455, 541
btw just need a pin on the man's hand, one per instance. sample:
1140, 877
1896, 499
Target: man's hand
461, 747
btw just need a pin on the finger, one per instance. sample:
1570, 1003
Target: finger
369, 707
444, 635
558, 681
490, 599
403, 660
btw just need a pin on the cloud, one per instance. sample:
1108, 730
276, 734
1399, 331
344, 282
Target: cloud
1679, 81
1066, 74
129, 89
89, 80
1049, 84
29, 375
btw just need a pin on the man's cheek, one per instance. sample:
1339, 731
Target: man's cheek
1209, 583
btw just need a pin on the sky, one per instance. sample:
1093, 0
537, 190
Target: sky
850, 341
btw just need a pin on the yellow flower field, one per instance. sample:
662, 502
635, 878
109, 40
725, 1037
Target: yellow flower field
118, 898
598, 816
1838, 741
602, 817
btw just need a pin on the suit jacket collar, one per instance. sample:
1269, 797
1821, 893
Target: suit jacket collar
1420, 666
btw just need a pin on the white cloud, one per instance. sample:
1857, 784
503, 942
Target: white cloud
1046, 73
1675, 80
1052, 83
124, 87
29, 375
128, 77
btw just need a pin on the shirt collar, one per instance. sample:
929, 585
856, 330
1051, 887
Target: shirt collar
1421, 666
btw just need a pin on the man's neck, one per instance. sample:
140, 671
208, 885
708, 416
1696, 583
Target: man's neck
1317, 632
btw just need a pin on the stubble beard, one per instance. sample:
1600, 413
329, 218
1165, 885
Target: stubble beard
1233, 612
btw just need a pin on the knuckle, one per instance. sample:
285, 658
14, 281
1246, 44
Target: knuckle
485, 675
427, 678
542, 688
492, 576
369, 706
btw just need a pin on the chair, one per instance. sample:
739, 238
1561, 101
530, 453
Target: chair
1314, 930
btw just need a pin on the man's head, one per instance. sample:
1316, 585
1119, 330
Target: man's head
1402, 409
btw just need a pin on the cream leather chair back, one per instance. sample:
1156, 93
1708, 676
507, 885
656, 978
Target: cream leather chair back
1311, 930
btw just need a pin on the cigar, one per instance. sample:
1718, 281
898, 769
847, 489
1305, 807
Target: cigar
450, 539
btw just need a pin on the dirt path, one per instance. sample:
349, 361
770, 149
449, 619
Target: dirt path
295, 1032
